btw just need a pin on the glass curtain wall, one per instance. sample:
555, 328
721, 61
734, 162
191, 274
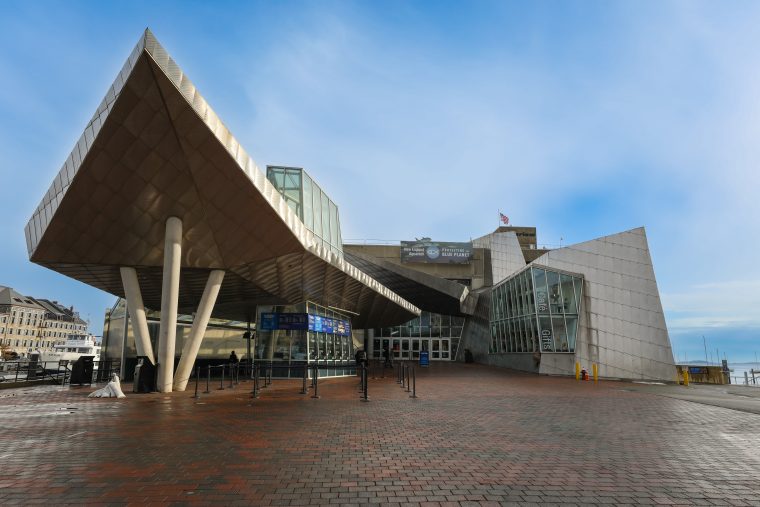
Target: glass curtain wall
435, 333
331, 347
536, 310
312, 205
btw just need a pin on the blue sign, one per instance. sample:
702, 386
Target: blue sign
320, 324
424, 358
327, 325
284, 321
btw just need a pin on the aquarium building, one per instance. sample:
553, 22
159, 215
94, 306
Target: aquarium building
161, 206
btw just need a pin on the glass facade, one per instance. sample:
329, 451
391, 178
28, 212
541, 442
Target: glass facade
535, 310
221, 338
312, 205
436, 333
294, 347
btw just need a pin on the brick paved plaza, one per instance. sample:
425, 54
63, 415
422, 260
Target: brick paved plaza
475, 436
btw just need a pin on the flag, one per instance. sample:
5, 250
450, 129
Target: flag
504, 218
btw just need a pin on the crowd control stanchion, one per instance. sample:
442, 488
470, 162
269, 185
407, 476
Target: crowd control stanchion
221, 381
403, 375
316, 382
255, 372
365, 397
197, 374
304, 389
409, 370
414, 384
208, 380
232, 377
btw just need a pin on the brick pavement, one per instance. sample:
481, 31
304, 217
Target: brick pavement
476, 436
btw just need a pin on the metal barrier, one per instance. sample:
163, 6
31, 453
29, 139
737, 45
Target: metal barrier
59, 372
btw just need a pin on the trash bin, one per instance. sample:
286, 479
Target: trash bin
145, 376
468, 356
424, 358
81, 371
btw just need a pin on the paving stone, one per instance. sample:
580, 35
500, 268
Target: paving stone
475, 436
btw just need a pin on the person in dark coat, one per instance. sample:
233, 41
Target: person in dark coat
233, 358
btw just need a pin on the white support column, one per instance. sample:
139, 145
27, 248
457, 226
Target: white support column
137, 313
193, 342
167, 333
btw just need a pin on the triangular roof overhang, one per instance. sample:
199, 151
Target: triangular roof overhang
155, 149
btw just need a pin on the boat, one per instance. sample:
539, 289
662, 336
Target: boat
76, 345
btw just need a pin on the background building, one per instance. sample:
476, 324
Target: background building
28, 324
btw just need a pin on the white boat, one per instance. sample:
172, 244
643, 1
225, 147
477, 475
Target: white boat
74, 347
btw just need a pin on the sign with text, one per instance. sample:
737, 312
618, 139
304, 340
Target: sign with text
284, 321
435, 252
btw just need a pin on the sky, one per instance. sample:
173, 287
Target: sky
428, 118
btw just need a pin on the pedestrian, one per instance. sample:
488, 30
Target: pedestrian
233, 358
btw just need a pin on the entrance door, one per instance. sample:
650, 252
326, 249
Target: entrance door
405, 342
415, 349
386, 346
436, 352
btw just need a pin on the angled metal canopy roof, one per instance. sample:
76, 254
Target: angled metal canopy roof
429, 292
155, 149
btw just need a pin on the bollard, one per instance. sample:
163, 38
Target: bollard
414, 384
577, 371
595, 369
208, 379
686, 378
197, 374
304, 389
316, 383
221, 382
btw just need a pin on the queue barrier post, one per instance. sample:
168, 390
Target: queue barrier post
365, 396
197, 374
208, 380
221, 381
304, 389
316, 382
414, 384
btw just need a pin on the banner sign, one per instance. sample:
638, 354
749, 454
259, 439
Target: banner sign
303, 322
435, 252
284, 321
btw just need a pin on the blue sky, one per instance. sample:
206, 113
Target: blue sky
425, 118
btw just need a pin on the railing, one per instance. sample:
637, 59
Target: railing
60, 372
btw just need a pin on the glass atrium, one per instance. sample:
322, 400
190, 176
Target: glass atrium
312, 205
536, 310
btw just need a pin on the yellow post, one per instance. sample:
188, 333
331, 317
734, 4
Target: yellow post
686, 377
577, 371
595, 368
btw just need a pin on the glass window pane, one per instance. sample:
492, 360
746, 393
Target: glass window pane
542, 299
578, 284
568, 296
547, 341
572, 329
560, 334
552, 280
